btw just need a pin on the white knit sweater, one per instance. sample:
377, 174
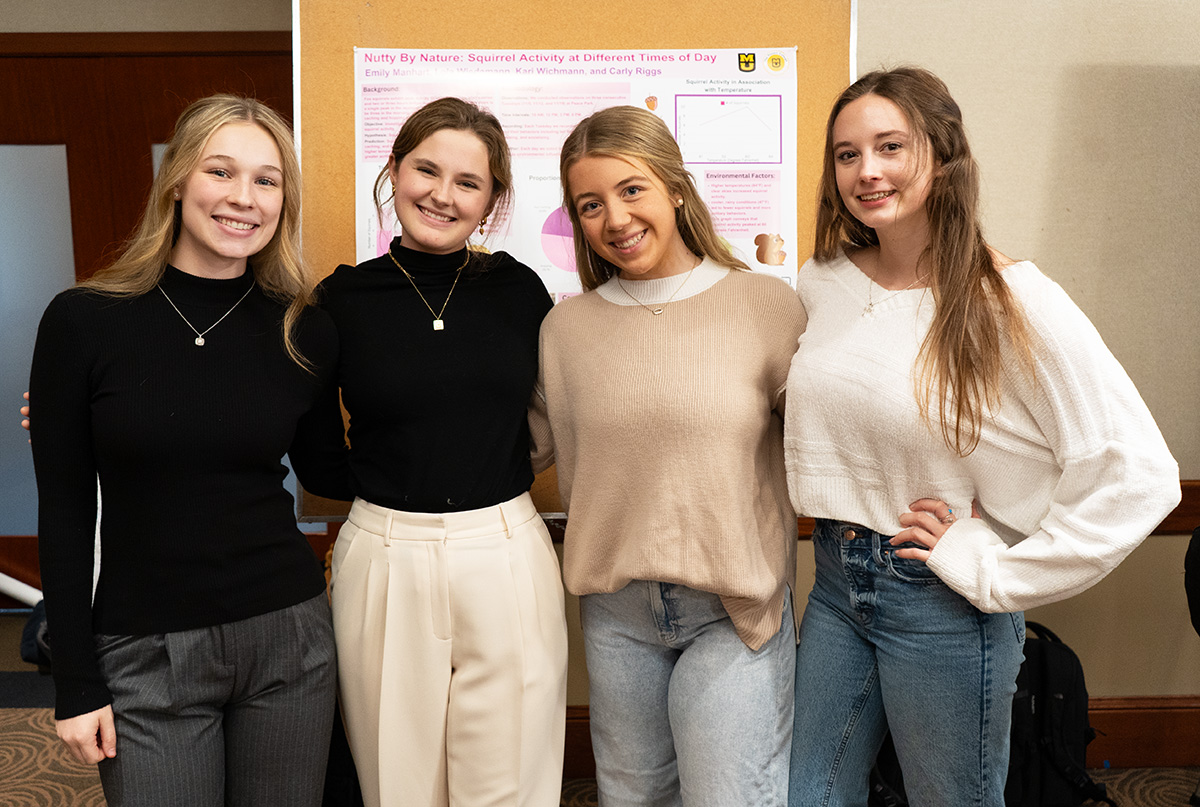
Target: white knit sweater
1071, 473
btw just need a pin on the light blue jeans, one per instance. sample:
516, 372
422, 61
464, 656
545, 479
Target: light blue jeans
682, 711
886, 644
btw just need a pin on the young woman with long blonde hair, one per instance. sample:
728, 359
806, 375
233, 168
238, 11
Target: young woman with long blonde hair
202, 671
661, 399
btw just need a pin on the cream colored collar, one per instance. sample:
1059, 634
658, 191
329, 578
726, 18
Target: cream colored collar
658, 291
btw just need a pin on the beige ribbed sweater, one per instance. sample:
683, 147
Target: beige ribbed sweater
668, 436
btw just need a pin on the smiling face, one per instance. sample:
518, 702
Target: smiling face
443, 188
628, 217
230, 203
883, 168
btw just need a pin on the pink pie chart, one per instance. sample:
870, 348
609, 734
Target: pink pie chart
557, 240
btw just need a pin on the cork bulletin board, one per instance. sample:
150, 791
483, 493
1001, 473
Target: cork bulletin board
326, 32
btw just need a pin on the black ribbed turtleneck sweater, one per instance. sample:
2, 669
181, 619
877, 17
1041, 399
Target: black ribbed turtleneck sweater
197, 528
437, 418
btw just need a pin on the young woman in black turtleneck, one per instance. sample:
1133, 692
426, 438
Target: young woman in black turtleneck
447, 600
202, 672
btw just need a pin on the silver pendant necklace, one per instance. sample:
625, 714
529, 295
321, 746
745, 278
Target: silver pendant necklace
200, 334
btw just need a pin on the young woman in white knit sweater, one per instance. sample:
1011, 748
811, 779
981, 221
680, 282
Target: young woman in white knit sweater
662, 393
935, 373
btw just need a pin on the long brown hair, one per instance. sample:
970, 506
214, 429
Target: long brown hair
629, 131
278, 268
975, 313
460, 115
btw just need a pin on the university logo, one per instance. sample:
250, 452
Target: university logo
746, 62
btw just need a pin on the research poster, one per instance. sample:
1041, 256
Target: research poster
733, 112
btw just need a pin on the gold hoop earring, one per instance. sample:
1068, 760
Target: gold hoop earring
482, 222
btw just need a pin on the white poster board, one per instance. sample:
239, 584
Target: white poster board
37, 263
731, 110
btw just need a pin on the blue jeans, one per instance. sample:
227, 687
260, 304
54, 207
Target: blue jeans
682, 711
886, 644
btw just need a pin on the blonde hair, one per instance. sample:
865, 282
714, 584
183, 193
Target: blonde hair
279, 269
628, 132
975, 313
459, 115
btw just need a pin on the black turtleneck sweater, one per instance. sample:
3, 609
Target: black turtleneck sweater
437, 418
197, 528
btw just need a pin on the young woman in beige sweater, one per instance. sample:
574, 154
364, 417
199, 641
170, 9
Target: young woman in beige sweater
660, 398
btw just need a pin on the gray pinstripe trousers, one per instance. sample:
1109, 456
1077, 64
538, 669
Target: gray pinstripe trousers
232, 715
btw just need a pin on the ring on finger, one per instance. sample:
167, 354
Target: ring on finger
949, 518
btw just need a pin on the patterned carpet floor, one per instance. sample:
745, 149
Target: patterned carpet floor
35, 772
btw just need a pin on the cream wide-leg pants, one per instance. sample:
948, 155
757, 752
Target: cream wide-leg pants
452, 655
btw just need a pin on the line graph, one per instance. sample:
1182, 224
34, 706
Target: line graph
729, 128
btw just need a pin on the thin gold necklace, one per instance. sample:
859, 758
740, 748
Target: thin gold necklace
438, 324
869, 310
659, 308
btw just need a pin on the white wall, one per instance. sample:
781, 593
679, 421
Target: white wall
41, 16
1083, 117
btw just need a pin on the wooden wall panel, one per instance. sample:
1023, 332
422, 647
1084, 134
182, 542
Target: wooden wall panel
1186, 517
1145, 732
110, 106
19, 559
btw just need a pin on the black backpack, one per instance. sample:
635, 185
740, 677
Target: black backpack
1050, 734
1050, 730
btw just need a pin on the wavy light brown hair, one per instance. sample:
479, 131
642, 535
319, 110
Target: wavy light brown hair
460, 115
278, 268
629, 131
960, 361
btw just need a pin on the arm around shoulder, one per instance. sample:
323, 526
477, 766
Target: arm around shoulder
541, 437
319, 453
784, 320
